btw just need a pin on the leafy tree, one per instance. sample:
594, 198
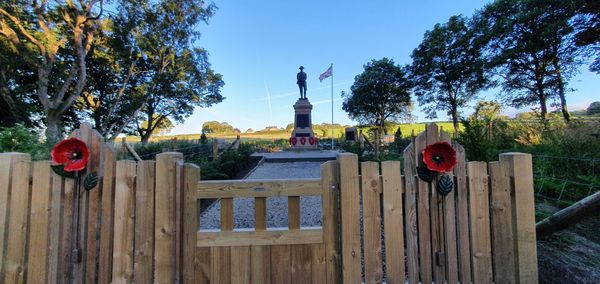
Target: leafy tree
54, 38
448, 69
113, 97
587, 26
529, 48
18, 103
160, 61
163, 128
216, 127
593, 108
380, 93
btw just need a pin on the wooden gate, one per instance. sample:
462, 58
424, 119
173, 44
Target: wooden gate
481, 232
261, 254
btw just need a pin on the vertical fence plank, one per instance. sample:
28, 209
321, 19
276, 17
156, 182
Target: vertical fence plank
89, 223
56, 224
349, 194
462, 212
240, 264
260, 264
18, 222
144, 222
123, 254
318, 263
480, 222
40, 221
281, 268
107, 216
436, 220
260, 259
523, 208
7, 160
393, 218
294, 212
501, 218
448, 212
202, 259
301, 263
191, 215
165, 230
260, 213
410, 201
331, 221
424, 213
221, 256
371, 222
64, 275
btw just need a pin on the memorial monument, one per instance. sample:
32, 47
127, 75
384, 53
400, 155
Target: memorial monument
303, 136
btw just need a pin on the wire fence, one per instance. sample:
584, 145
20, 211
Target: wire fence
564, 178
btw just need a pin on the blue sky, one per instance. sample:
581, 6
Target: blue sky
258, 46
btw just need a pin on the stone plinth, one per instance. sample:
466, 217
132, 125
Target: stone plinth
303, 131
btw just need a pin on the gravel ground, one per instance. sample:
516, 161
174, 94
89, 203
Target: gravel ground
243, 208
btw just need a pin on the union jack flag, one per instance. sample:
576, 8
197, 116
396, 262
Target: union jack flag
326, 74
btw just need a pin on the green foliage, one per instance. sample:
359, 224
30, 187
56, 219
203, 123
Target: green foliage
529, 44
217, 127
21, 139
593, 108
484, 135
353, 147
203, 139
379, 94
448, 68
226, 166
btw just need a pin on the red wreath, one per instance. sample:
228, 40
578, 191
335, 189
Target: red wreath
312, 140
439, 157
293, 140
303, 140
72, 153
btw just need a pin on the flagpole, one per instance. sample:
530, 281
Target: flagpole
331, 106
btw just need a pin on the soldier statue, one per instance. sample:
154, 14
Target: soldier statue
301, 77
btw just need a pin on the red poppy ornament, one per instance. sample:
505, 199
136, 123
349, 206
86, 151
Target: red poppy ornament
293, 140
439, 157
303, 140
312, 140
72, 153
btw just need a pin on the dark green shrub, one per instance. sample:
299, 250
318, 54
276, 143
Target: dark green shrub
20, 139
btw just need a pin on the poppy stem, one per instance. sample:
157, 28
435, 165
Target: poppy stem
76, 251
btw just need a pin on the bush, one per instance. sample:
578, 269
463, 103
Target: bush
20, 139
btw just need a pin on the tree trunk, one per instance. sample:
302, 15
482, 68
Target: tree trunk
569, 216
543, 107
53, 131
561, 93
454, 112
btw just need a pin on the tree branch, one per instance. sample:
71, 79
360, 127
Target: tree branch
23, 31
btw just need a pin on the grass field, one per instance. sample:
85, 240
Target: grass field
407, 130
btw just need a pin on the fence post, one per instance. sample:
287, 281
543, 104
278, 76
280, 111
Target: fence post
331, 219
191, 213
123, 253
520, 171
165, 230
349, 191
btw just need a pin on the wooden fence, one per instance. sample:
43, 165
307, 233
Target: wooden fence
481, 232
141, 223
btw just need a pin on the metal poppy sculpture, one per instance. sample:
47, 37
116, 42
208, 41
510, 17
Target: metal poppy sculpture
69, 159
438, 158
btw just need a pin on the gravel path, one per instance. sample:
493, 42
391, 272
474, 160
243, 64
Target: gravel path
243, 208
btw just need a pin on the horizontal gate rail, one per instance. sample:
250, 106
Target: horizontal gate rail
259, 188
259, 238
